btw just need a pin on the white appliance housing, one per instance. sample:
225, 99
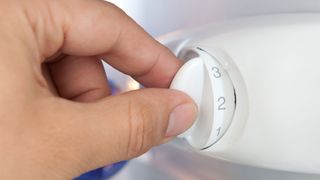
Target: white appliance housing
273, 63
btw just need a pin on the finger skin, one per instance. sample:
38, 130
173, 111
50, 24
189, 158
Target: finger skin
111, 130
98, 28
49, 137
81, 79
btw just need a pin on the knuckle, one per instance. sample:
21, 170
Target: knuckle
141, 130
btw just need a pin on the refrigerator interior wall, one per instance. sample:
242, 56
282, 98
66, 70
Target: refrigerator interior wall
160, 17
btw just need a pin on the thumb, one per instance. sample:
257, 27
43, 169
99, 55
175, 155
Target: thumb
125, 126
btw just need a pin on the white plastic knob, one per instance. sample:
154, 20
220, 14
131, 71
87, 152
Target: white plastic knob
204, 79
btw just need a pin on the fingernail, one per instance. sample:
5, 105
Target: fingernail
181, 118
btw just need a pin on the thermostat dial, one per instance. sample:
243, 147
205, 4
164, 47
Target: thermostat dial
204, 79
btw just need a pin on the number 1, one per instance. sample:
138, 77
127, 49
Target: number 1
219, 129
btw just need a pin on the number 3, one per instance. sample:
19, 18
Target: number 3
217, 73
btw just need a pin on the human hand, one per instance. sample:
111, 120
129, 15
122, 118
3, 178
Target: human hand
57, 119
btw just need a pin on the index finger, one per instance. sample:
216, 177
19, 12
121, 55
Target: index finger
100, 28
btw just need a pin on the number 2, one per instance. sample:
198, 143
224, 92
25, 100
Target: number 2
222, 101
